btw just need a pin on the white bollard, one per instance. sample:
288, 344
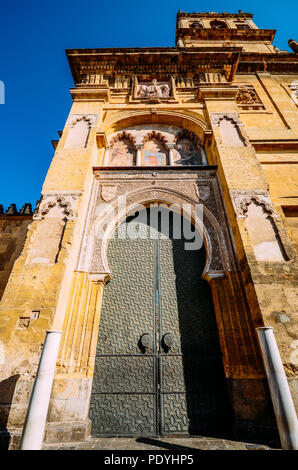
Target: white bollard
279, 389
35, 423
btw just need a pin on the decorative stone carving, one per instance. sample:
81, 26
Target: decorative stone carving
97, 80
74, 118
242, 199
217, 117
203, 192
153, 90
172, 188
65, 202
247, 98
108, 191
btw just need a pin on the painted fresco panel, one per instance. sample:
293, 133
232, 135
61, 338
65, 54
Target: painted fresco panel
187, 153
154, 153
122, 154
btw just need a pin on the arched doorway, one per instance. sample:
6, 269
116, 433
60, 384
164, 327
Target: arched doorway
158, 367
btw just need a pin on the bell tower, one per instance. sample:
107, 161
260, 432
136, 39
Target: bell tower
217, 30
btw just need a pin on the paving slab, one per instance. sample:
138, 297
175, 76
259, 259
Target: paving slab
142, 443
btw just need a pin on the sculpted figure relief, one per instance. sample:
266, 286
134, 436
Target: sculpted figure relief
153, 90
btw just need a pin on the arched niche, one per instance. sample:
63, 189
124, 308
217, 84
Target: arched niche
122, 153
263, 233
118, 121
78, 134
154, 144
230, 133
188, 150
218, 258
217, 24
154, 151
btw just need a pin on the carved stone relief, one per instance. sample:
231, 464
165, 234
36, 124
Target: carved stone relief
247, 98
242, 199
153, 90
74, 118
126, 192
57, 205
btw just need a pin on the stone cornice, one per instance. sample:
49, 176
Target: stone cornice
272, 63
260, 35
218, 91
275, 145
167, 62
213, 14
90, 94
154, 61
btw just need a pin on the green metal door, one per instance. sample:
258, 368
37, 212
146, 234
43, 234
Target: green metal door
158, 367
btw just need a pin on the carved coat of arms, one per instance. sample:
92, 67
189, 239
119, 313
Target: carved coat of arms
108, 192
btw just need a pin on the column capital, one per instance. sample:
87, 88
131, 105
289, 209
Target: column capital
170, 145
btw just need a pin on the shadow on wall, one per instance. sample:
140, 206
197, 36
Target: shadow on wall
206, 399
7, 389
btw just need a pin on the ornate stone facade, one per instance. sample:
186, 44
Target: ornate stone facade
209, 125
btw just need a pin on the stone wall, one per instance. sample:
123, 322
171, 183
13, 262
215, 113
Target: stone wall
13, 233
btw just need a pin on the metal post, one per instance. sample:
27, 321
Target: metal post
35, 423
279, 389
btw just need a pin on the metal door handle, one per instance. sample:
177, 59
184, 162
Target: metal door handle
167, 341
145, 342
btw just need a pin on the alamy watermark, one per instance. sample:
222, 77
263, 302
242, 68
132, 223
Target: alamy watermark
156, 221
2, 92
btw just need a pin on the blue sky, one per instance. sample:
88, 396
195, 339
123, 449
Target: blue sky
33, 66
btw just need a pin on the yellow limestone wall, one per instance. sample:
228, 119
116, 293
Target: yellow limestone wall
70, 301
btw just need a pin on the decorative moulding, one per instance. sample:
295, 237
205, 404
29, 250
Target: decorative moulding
242, 199
65, 201
74, 118
90, 94
215, 91
217, 117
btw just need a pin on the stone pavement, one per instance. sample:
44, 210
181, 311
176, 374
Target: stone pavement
164, 443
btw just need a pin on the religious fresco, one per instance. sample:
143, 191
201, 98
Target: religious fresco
122, 154
187, 153
154, 153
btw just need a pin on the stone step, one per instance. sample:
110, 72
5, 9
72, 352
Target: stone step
167, 443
